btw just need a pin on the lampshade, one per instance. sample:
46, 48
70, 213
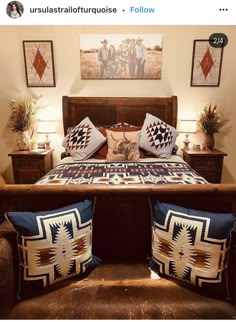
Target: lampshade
188, 126
46, 126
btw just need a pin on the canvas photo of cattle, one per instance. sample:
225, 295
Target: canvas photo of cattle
121, 56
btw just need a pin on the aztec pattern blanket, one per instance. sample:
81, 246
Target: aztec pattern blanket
122, 173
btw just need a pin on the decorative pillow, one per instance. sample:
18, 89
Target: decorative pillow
123, 146
53, 245
83, 140
192, 246
157, 137
102, 152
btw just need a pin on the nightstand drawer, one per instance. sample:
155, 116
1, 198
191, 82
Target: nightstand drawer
211, 176
27, 177
28, 163
203, 163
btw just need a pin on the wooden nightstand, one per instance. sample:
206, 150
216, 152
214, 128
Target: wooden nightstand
207, 163
30, 166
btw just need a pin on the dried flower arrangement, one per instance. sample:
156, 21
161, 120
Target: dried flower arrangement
212, 119
23, 113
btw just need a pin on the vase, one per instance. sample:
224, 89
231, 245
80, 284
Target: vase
209, 141
22, 141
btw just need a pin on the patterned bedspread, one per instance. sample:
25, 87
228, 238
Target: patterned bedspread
122, 173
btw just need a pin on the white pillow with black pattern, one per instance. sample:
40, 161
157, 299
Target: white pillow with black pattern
157, 137
83, 140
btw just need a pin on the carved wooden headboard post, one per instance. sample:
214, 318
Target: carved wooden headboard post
105, 111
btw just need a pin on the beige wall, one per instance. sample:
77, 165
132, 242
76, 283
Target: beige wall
176, 70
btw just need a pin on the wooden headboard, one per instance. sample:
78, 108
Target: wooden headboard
105, 111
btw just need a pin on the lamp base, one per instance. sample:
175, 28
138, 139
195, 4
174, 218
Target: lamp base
186, 147
186, 142
47, 143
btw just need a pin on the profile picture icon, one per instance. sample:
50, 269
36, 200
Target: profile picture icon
15, 9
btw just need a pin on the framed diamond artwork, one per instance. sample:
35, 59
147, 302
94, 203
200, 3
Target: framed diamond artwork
206, 64
39, 63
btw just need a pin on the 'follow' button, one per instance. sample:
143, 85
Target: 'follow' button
141, 10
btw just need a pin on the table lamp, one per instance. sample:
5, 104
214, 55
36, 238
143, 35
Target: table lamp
187, 127
46, 127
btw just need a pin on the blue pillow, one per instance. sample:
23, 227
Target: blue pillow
53, 245
192, 246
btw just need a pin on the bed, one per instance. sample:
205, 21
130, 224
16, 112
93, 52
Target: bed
117, 114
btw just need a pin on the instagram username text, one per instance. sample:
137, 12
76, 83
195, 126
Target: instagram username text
71, 9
